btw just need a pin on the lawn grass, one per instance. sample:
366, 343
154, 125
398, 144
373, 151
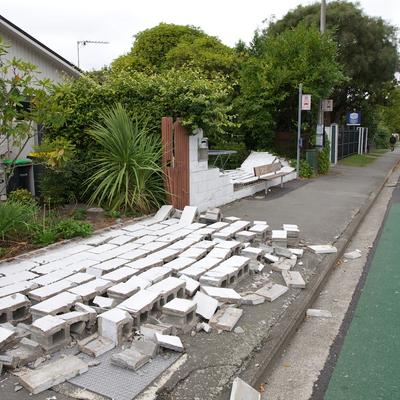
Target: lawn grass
361, 160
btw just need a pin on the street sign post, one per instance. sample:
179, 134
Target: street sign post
327, 105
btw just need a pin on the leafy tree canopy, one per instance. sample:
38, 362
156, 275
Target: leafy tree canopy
367, 49
174, 46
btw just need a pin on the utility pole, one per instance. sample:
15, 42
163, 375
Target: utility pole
322, 30
299, 129
80, 43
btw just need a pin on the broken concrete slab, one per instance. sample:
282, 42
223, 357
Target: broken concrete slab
149, 330
253, 299
323, 249
206, 305
313, 312
14, 308
95, 346
104, 302
191, 285
203, 326
25, 352
146, 347
271, 293
130, 359
220, 253
45, 292
242, 391
170, 342
115, 325
222, 294
156, 274
54, 373
297, 252
20, 287
7, 336
271, 258
226, 319
123, 290
80, 277
293, 279
88, 291
352, 255
283, 252
119, 275
165, 212
10, 279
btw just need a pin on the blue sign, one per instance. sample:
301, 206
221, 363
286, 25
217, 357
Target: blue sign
353, 118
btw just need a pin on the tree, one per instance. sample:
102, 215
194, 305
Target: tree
270, 77
23, 105
169, 46
367, 50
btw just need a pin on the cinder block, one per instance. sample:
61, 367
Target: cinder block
115, 325
14, 309
51, 332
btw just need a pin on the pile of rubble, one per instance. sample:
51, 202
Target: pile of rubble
138, 288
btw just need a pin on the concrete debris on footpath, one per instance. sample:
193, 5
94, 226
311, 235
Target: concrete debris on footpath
352, 255
137, 290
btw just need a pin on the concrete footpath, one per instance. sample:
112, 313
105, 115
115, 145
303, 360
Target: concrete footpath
328, 209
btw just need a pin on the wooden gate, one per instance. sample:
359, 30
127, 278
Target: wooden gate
175, 143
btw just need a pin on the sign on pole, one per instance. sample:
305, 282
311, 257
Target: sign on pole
327, 105
353, 118
306, 102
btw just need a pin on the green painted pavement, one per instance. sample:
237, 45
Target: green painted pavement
369, 362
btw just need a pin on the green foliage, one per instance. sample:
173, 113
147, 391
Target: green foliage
324, 162
41, 234
21, 196
169, 46
234, 160
270, 77
79, 214
305, 169
113, 214
13, 218
70, 228
54, 153
381, 136
126, 167
186, 94
367, 50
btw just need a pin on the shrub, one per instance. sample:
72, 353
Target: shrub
126, 171
70, 228
42, 234
14, 216
324, 161
79, 214
23, 196
305, 169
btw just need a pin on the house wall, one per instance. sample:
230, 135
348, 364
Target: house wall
48, 67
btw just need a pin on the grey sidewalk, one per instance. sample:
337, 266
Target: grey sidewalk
323, 207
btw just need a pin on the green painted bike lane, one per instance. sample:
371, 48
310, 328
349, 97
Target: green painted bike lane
368, 366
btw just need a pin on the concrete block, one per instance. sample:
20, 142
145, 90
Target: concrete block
102, 248
121, 239
222, 254
14, 308
149, 330
222, 294
271, 293
76, 321
170, 342
180, 263
58, 304
133, 255
230, 219
10, 279
323, 249
51, 332
191, 285
165, 212
242, 391
20, 287
245, 236
116, 325
232, 245
254, 253
253, 299
88, 291
168, 289
121, 274
89, 311
193, 252
54, 373
282, 252
206, 305
293, 279
269, 258
204, 244
95, 346
106, 267
80, 277
140, 304
352, 255
127, 289
183, 244
104, 302
189, 215
226, 319
284, 264
156, 274
130, 359
144, 264
45, 292
312, 312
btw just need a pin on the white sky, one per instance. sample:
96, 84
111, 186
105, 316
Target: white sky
60, 24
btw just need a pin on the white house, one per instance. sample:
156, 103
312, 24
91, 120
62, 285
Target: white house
52, 66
